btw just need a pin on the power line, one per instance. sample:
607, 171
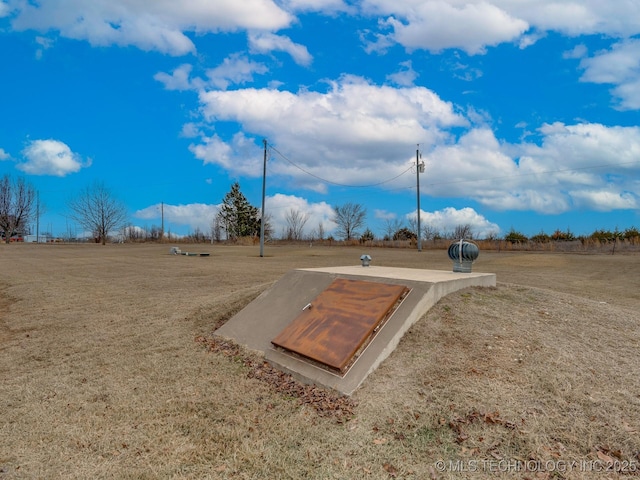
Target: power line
336, 183
545, 172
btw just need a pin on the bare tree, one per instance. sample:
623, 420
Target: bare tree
16, 206
463, 231
216, 228
430, 233
391, 226
268, 227
349, 218
98, 211
295, 223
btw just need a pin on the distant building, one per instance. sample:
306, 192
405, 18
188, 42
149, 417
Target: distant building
37, 239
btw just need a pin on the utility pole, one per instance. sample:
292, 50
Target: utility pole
162, 221
264, 187
37, 217
419, 170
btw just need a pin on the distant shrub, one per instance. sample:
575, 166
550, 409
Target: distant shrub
515, 237
566, 236
404, 234
541, 238
631, 233
602, 235
367, 236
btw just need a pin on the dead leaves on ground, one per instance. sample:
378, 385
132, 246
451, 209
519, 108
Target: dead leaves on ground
324, 402
608, 457
491, 418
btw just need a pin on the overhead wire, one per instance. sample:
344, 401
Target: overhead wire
337, 183
476, 180
545, 172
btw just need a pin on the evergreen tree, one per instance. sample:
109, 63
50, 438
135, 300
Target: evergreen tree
239, 217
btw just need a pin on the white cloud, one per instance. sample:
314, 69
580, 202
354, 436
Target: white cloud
50, 157
466, 168
629, 94
584, 17
195, 215
240, 156
405, 77
620, 66
278, 206
157, 25
439, 25
236, 69
269, 42
435, 25
361, 134
178, 79
44, 44
572, 163
446, 220
200, 216
355, 133
384, 215
604, 200
190, 130
529, 39
324, 6
579, 51
588, 144
4, 155
473, 25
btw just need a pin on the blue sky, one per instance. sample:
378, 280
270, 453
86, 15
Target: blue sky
526, 113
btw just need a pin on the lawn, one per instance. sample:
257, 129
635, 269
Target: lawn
109, 369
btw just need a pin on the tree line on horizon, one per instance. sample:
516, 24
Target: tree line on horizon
97, 210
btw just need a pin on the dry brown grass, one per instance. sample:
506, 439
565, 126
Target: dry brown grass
101, 376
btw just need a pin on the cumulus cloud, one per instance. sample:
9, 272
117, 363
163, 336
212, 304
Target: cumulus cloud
50, 157
195, 215
236, 69
572, 166
586, 161
178, 79
620, 66
473, 25
350, 133
405, 77
200, 216
159, 25
4, 155
269, 42
384, 215
356, 133
278, 207
436, 26
616, 19
325, 6
446, 220
240, 155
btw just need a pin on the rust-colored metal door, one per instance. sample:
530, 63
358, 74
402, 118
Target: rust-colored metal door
340, 321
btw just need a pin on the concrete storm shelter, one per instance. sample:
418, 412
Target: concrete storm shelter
334, 326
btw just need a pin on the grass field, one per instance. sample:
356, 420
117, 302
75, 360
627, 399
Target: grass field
107, 371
